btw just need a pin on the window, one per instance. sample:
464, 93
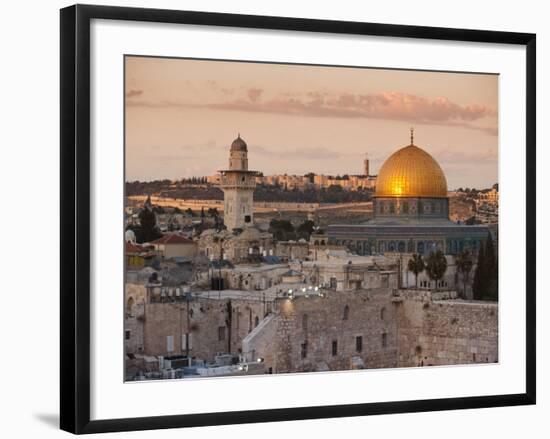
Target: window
186, 341
359, 343
303, 350
256, 321
247, 219
346, 312
127, 334
382, 313
221, 333
334, 348
384, 340
169, 343
304, 322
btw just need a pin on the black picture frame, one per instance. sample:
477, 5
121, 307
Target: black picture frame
75, 217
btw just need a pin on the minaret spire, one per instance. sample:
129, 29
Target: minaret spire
412, 136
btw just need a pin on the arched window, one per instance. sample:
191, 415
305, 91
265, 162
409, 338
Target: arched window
346, 312
304, 322
382, 313
256, 321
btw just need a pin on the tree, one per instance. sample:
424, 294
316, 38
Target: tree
148, 225
416, 265
480, 276
486, 275
305, 229
213, 211
436, 266
464, 265
282, 230
491, 269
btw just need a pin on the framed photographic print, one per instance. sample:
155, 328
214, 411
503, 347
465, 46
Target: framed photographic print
268, 218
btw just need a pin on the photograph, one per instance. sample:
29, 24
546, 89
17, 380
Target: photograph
288, 218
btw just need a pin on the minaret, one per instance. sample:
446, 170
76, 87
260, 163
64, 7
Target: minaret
366, 165
237, 184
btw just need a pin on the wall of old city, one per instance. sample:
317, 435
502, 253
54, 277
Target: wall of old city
340, 331
436, 332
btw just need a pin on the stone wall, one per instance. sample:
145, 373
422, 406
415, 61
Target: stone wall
442, 332
306, 329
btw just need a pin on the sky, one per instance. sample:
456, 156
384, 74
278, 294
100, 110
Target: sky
182, 115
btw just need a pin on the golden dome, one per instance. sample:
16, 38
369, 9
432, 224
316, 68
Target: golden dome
411, 172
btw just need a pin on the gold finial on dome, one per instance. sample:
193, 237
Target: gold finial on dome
412, 136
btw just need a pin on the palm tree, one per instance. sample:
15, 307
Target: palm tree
464, 264
416, 265
436, 266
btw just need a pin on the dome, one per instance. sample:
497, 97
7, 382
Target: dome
411, 172
238, 144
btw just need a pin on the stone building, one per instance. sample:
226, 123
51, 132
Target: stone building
248, 245
173, 245
174, 322
291, 250
342, 271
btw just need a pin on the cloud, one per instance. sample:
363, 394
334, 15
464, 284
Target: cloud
386, 105
392, 105
133, 93
254, 94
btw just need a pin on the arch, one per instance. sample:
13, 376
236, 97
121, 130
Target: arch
382, 313
401, 247
256, 321
346, 312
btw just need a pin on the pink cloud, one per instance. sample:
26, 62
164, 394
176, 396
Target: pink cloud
133, 93
254, 94
385, 105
